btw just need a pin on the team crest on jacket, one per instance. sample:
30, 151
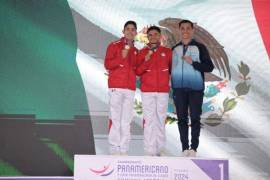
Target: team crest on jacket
163, 54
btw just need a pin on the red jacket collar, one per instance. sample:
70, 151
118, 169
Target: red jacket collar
153, 48
125, 41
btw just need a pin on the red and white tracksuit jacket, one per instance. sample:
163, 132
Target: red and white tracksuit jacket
121, 70
155, 73
122, 85
155, 85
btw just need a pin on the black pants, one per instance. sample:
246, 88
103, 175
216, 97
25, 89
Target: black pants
188, 103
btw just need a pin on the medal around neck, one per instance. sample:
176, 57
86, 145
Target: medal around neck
127, 47
183, 57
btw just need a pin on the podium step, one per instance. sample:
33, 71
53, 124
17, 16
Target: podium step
149, 167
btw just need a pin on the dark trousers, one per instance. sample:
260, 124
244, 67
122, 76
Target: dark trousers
188, 103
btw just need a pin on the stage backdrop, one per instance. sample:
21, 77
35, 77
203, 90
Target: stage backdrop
44, 116
52, 77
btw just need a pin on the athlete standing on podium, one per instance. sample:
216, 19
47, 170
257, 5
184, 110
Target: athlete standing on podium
154, 67
120, 62
190, 60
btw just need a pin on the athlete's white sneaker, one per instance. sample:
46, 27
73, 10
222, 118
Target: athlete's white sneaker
185, 153
115, 153
124, 154
161, 153
192, 153
149, 154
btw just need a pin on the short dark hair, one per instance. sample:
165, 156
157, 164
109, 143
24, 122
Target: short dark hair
130, 22
153, 28
186, 21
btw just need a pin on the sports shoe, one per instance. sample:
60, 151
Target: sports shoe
124, 154
161, 153
149, 154
192, 153
185, 153
115, 153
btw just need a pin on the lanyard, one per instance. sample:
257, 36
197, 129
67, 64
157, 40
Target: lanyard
185, 48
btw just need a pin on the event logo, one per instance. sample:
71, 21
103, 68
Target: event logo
105, 171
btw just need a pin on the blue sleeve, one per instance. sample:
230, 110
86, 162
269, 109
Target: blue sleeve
206, 64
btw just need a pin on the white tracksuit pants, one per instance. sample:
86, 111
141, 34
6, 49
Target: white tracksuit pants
154, 114
121, 114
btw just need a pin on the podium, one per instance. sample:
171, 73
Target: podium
99, 167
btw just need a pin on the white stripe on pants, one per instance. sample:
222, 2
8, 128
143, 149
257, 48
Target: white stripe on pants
121, 114
154, 114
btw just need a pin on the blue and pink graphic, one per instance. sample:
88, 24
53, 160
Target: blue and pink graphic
106, 171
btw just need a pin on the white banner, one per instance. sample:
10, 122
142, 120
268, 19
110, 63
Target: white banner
95, 167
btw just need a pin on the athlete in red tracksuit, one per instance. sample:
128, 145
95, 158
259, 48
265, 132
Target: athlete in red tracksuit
154, 67
120, 62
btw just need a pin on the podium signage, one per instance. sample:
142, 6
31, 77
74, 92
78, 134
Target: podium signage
98, 167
